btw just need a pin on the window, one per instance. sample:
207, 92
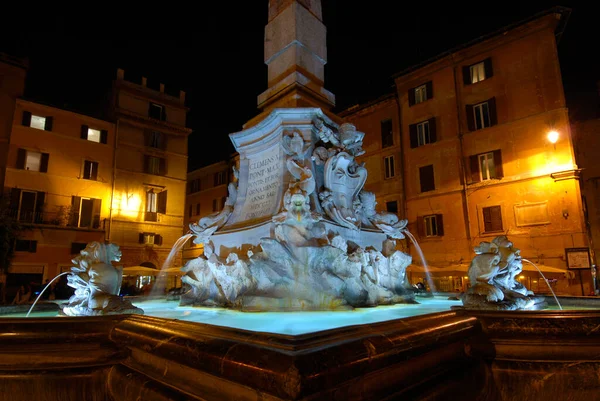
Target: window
155, 165
156, 139
24, 245
220, 178
390, 170
90, 170
156, 202
387, 133
481, 115
492, 219
77, 247
33, 161
478, 72
157, 111
426, 178
197, 209
486, 166
85, 212
37, 122
190, 208
94, 135
150, 239
420, 94
194, 186
27, 206
392, 207
432, 226
422, 133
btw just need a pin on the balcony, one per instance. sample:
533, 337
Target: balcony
63, 217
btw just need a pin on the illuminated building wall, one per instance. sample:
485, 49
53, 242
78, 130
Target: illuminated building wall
150, 171
58, 178
206, 194
476, 159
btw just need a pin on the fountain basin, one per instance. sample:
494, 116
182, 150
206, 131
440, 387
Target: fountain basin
458, 354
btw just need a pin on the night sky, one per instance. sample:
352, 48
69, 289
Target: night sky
215, 54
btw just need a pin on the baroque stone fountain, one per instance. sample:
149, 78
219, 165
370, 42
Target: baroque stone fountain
298, 232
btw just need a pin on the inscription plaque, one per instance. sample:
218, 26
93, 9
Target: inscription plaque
264, 178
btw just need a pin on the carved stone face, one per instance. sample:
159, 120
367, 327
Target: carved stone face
114, 253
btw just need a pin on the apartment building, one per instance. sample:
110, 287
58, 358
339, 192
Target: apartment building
150, 171
58, 175
485, 149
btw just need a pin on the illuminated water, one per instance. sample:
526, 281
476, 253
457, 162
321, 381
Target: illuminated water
292, 323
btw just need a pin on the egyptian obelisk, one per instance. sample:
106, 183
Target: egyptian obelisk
296, 54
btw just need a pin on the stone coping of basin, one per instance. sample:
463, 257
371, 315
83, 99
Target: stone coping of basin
204, 359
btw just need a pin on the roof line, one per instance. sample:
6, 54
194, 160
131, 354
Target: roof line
565, 12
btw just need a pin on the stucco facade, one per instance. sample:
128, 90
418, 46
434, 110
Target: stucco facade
150, 172
475, 158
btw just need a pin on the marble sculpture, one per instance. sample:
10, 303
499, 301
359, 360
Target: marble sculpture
309, 258
97, 283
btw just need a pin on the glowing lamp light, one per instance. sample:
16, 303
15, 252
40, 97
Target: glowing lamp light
552, 136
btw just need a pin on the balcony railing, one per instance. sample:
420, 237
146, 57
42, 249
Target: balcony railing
58, 219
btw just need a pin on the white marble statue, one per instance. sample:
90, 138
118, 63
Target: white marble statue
207, 226
97, 283
492, 275
305, 260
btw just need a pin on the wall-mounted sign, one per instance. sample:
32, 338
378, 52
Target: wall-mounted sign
578, 258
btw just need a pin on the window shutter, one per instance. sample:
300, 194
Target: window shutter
412, 129
470, 117
141, 238
496, 218
94, 171
474, 164
429, 86
15, 197
84, 131
492, 107
147, 137
487, 219
487, 65
466, 70
48, 125
32, 246
26, 121
163, 141
432, 130
21, 156
498, 164
411, 97
421, 226
158, 240
96, 210
163, 115
75, 203
440, 224
39, 207
163, 166
44, 163
104, 136
161, 206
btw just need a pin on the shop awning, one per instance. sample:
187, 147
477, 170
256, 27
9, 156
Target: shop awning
148, 271
462, 269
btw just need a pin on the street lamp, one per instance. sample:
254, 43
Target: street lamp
552, 136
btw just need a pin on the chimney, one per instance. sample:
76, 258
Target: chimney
182, 97
162, 88
144, 81
120, 74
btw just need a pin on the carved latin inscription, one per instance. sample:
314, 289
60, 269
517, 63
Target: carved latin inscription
264, 179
